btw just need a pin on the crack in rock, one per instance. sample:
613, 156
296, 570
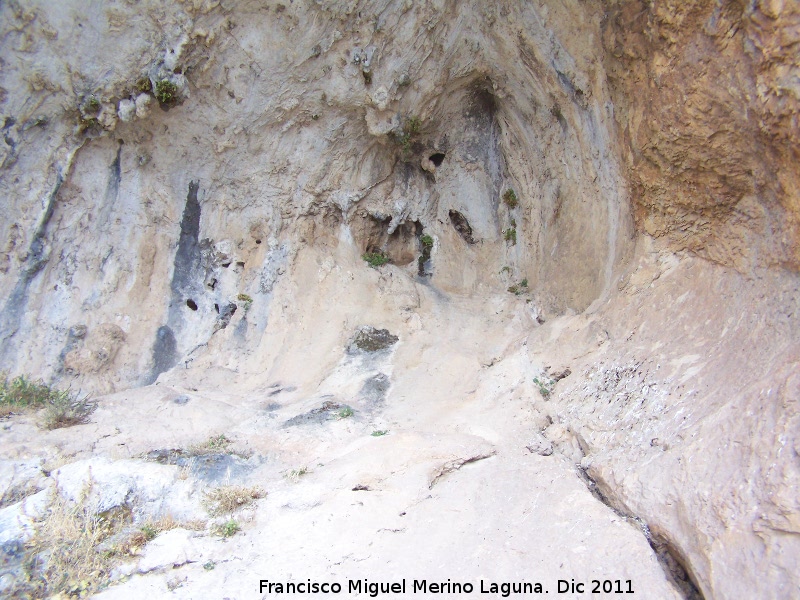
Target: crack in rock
676, 569
455, 465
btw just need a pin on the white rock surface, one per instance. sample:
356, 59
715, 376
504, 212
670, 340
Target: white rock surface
127, 110
105, 484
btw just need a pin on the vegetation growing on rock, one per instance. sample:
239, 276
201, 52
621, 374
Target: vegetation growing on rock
375, 259
166, 92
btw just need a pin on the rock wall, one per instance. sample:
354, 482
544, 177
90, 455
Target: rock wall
366, 124
707, 97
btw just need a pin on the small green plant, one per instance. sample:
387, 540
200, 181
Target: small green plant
248, 301
227, 529
427, 245
505, 269
149, 532
166, 92
375, 259
91, 106
345, 413
216, 444
510, 235
545, 386
405, 138
144, 85
219, 442
519, 288
510, 198
88, 123
23, 393
210, 565
379, 433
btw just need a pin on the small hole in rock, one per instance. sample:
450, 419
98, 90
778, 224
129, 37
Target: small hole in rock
258, 241
437, 159
212, 284
240, 264
191, 304
226, 265
216, 308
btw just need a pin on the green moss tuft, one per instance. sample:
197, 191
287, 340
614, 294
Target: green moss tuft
375, 259
166, 92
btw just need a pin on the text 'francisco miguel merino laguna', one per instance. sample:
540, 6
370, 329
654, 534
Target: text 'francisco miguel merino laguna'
416, 586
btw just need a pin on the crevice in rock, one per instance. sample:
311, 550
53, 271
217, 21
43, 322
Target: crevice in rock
675, 567
225, 315
462, 226
455, 465
377, 234
112, 190
424, 267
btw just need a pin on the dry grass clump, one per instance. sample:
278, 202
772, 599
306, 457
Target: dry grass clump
216, 444
136, 539
64, 556
295, 474
74, 550
65, 409
228, 498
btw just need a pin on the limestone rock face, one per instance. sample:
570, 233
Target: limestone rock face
284, 126
707, 98
531, 264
